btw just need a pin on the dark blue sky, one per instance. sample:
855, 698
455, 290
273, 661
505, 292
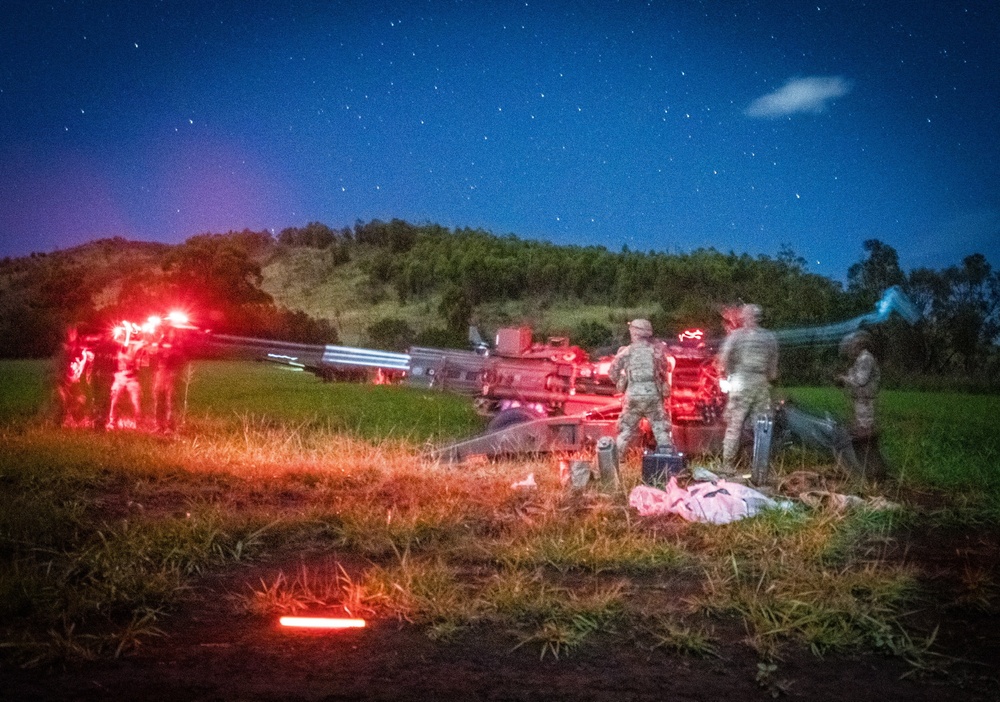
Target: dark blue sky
663, 125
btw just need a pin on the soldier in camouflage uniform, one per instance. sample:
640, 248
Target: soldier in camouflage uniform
749, 356
861, 382
640, 371
126, 379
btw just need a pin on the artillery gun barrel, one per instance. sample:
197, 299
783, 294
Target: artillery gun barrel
514, 393
893, 300
312, 357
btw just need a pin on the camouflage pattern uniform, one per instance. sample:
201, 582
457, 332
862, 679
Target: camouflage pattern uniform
749, 356
640, 371
862, 383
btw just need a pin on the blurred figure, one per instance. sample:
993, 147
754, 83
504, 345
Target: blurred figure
74, 367
168, 358
861, 381
640, 371
749, 357
126, 378
732, 318
105, 353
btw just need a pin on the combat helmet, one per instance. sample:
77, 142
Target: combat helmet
750, 314
641, 328
854, 343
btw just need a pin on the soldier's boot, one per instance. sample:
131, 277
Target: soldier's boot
621, 449
665, 442
731, 450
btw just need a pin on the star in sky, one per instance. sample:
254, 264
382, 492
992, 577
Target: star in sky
739, 125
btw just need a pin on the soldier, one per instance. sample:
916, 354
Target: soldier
126, 377
861, 382
168, 358
75, 367
749, 357
105, 360
640, 371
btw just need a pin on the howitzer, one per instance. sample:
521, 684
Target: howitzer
696, 402
553, 378
540, 397
860, 457
545, 397
552, 397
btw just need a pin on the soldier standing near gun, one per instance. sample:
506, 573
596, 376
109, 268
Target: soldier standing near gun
640, 371
75, 368
749, 357
861, 382
126, 377
168, 358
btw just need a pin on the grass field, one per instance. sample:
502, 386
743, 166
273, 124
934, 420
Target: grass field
947, 441
103, 533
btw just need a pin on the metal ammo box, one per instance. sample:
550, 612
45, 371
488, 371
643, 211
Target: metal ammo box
658, 467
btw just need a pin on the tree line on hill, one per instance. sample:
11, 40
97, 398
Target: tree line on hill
464, 269
97, 285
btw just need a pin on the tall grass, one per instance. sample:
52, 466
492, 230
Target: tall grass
945, 441
812, 577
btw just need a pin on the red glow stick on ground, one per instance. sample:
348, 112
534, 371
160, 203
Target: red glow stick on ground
322, 623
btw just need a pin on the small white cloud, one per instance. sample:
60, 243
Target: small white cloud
800, 95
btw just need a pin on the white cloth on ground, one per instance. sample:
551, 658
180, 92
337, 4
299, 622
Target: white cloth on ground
718, 502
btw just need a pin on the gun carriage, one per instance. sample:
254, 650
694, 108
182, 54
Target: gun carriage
540, 396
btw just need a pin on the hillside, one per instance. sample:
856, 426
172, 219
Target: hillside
344, 294
298, 278
392, 285
308, 280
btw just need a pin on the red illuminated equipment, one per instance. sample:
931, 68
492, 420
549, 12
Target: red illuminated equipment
691, 336
542, 397
322, 623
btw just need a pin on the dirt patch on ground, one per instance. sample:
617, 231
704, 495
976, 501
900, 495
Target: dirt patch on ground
210, 653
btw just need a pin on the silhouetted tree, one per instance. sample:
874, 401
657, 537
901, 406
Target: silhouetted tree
876, 273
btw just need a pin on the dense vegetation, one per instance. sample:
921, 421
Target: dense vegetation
449, 278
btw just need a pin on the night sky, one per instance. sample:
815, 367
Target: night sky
660, 125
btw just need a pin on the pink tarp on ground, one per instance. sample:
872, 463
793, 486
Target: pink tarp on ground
718, 502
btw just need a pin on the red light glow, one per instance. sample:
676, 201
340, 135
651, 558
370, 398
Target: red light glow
177, 318
151, 324
322, 623
124, 332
